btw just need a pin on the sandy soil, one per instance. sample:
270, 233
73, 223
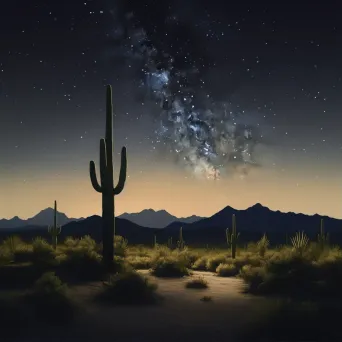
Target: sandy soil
181, 317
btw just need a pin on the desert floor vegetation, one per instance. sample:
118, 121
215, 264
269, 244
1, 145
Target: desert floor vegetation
301, 279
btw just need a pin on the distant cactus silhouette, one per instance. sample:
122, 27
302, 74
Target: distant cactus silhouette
155, 244
323, 239
54, 230
169, 242
181, 242
107, 188
232, 237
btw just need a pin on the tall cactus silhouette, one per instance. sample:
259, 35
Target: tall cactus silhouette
54, 230
323, 239
181, 242
232, 237
107, 188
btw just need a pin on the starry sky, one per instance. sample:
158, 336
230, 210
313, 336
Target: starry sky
217, 103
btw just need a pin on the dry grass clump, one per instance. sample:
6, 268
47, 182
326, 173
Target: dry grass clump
197, 283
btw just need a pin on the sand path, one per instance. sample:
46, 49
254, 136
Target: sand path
182, 316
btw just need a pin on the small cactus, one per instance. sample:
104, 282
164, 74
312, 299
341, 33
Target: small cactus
323, 239
181, 242
155, 244
54, 230
169, 242
232, 237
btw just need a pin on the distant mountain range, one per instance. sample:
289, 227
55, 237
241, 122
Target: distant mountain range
157, 219
146, 218
252, 223
43, 218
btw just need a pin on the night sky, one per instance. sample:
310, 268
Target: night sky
220, 103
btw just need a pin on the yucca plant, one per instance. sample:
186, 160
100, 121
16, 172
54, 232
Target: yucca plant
323, 239
262, 245
300, 242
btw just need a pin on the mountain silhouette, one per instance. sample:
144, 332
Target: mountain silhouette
43, 218
156, 219
252, 223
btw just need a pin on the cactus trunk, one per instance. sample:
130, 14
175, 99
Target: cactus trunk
181, 243
233, 237
323, 239
107, 188
54, 230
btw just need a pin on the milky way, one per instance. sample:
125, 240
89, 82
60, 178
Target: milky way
209, 137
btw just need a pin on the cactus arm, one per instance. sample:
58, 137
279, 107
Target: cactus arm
93, 178
123, 172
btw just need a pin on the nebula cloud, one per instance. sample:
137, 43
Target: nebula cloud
208, 137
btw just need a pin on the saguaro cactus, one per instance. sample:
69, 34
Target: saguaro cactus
54, 230
169, 242
107, 188
323, 239
181, 242
232, 237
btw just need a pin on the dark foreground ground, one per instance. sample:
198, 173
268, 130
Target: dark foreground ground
182, 315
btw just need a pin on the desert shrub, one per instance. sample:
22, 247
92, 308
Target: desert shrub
291, 275
42, 252
14, 249
81, 259
246, 259
12, 243
262, 246
138, 262
86, 242
253, 277
23, 253
140, 251
120, 246
160, 252
227, 270
128, 288
49, 283
82, 263
169, 267
50, 301
5, 256
214, 261
187, 257
252, 247
71, 242
197, 283
200, 264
